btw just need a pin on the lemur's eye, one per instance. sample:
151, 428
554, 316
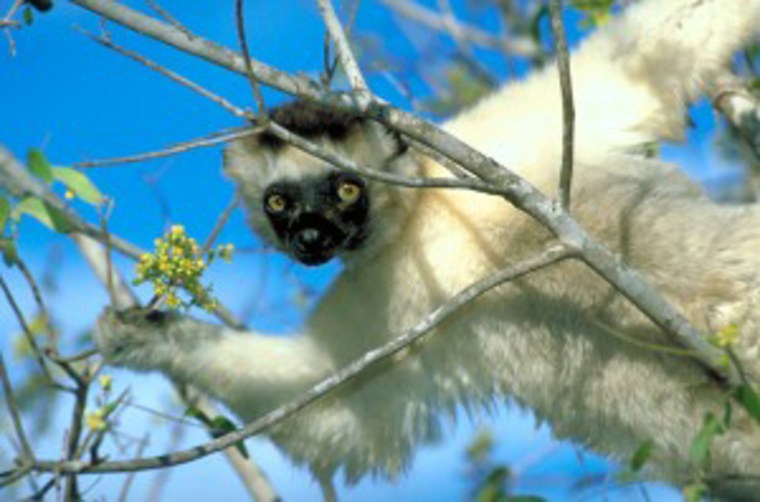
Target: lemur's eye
276, 203
349, 191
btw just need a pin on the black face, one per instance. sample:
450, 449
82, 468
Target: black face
319, 217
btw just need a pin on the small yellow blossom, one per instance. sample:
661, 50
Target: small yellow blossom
172, 300
727, 336
177, 230
69, 195
105, 382
96, 420
225, 252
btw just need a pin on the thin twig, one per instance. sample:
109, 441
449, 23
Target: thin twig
172, 75
517, 46
36, 293
741, 108
105, 214
27, 454
75, 430
131, 476
568, 107
168, 17
243, 43
220, 223
342, 46
81, 356
30, 338
17, 474
548, 257
8, 18
202, 142
348, 164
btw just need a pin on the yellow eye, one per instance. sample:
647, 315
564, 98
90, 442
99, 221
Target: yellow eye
276, 203
349, 192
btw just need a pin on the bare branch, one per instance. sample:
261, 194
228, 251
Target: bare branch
240, 24
95, 254
342, 47
167, 16
176, 77
203, 142
518, 46
193, 44
31, 340
43, 311
220, 223
548, 257
740, 107
27, 454
568, 108
350, 165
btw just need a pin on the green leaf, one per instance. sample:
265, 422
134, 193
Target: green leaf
728, 414
700, 446
590, 5
641, 455
50, 216
749, 399
78, 183
5, 212
28, 16
110, 408
222, 425
197, 414
39, 165
10, 255
218, 426
694, 492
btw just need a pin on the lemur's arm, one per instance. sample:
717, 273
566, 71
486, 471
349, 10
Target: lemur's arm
249, 372
631, 81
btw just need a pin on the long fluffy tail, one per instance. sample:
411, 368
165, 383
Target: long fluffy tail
631, 82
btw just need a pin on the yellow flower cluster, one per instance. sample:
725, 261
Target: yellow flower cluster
177, 263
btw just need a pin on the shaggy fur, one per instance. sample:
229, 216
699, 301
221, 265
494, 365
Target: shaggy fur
552, 341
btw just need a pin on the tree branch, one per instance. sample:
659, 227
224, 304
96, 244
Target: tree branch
342, 47
741, 108
568, 108
27, 454
518, 46
243, 42
202, 142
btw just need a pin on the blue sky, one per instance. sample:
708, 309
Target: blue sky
79, 101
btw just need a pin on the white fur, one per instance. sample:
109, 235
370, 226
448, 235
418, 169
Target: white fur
551, 341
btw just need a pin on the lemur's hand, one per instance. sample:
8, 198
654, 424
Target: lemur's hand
136, 337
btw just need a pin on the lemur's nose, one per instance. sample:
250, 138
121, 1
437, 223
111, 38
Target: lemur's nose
307, 239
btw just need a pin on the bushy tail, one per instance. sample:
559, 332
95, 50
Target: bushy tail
631, 82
